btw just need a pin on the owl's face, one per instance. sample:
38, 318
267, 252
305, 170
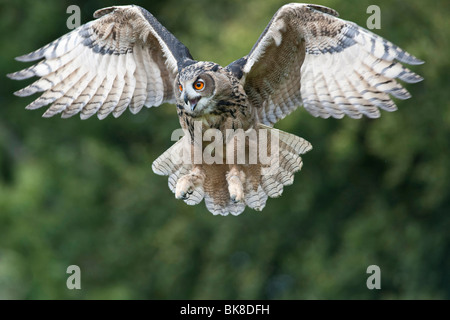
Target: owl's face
198, 87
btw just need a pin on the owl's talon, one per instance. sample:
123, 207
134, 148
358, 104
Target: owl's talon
184, 188
182, 196
185, 195
235, 188
234, 199
186, 184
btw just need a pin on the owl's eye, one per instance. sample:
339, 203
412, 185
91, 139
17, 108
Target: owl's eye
180, 87
199, 85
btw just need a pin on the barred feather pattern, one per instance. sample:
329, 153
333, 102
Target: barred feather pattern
308, 56
261, 181
103, 67
171, 164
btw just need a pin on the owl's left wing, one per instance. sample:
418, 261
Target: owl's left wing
307, 56
125, 58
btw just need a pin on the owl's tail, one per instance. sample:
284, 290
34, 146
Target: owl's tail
257, 182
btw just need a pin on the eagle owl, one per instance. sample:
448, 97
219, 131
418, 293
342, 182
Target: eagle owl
306, 56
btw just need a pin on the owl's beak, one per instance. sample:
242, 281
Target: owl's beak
191, 102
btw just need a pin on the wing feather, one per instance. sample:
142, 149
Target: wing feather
155, 86
140, 93
308, 56
125, 58
66, 101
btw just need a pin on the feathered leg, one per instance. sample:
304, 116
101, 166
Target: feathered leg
236, 179
188, 183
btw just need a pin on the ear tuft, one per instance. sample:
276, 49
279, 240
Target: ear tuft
324, 9
101, 12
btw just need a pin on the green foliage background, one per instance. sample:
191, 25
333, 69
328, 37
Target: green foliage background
83, 192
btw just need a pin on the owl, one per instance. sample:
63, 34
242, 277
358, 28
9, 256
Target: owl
306, 56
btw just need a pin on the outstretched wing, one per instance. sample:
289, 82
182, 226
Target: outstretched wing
125, 58
307, 56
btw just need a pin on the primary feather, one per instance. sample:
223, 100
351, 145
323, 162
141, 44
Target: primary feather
308, 56
125, 58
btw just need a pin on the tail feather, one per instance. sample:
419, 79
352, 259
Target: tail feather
255, 199
170, 161
261, 181
170, 164
223, 210
217, 197
281, 173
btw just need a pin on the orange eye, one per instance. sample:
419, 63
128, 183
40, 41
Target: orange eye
199, 85
180, 87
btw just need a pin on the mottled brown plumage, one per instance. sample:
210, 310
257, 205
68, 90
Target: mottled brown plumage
306, 56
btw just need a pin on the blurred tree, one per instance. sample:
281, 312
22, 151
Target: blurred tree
83, 193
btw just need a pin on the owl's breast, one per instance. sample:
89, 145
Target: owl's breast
223, 118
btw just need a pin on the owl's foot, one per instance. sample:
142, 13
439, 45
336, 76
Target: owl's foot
235, 179
186, 184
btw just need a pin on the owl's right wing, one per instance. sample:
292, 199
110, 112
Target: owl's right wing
125, 58
308, 56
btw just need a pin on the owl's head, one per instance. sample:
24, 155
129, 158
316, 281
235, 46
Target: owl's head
199, 86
